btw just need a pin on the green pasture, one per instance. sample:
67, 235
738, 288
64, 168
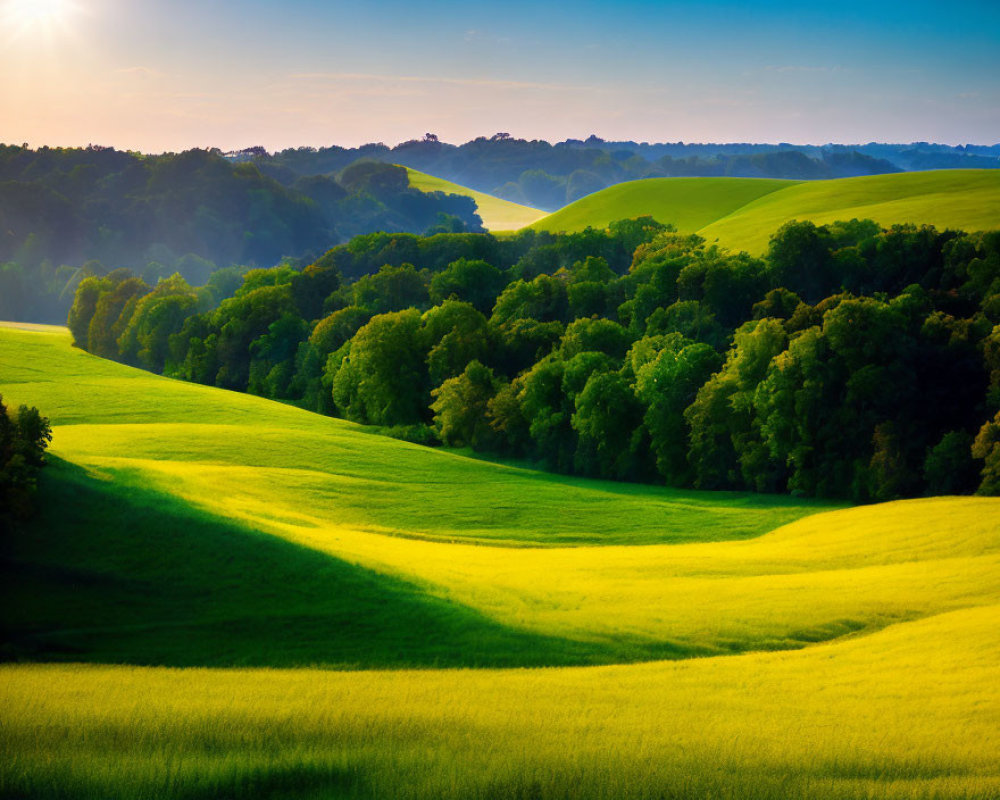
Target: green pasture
743, 213
223, 596
689, 204
965, 199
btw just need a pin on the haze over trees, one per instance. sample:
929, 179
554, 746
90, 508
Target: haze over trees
549, 176
66, 214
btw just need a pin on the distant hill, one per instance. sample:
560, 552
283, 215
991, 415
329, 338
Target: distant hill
687, 203
965, 199
743, 213
497, 214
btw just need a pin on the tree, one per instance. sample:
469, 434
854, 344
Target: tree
24, 435
383, 379
85, 300
475, 281
391, 289
799, 259
157, 316
606, 417
455, 334
112, 313
986, 448
949, 467
597, 334
666, 386
460, 408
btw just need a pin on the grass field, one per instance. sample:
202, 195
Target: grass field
188, 527
962, 199
743, 213
497, 214
687, 203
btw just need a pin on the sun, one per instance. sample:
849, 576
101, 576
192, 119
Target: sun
27, 17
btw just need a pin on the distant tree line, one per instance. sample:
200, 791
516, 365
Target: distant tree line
849, 362
549, 176
24, 435
66, 212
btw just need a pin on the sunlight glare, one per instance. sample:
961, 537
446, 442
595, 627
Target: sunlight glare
27, 17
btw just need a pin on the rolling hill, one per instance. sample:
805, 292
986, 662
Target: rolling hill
743, 213
966, 200
497, 214
187, 526
687, 203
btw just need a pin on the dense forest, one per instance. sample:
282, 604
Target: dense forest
850, 361
548, 176
69, 213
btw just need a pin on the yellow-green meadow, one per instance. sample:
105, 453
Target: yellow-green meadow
225, 596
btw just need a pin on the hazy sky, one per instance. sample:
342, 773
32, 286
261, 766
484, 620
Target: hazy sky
155, 75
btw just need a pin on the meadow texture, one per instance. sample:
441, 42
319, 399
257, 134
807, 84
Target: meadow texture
238, 598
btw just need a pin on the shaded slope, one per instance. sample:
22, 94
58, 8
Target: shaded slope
421, 517
114, 572
497, 214
687, 203
103, 409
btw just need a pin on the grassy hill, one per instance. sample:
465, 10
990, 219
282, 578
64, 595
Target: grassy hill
187, 526
497, 214
743, 213
963, 199
687, 203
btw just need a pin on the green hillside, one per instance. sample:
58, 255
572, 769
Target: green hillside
497, 214
743, 213
187, 526
219, 467
962, 199
687, 203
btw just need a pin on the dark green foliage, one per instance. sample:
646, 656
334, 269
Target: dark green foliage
607, 416
551, 175
666, 385
391, 289
455, 334
596, 334
24, 435
949, 467
383, 378
460, 408
476, 281
633, 353
544, 299
986, 448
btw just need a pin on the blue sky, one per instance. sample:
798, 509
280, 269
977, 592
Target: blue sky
157, 75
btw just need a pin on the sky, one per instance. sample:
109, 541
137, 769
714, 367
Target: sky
157, 76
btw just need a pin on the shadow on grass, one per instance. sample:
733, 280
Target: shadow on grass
111, 571
268, 782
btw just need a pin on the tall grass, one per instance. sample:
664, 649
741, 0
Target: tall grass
911, 712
